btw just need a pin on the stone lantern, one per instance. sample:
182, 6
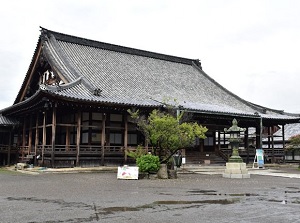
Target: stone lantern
235, 167
235, 140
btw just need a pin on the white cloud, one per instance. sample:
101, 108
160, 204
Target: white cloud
251, 46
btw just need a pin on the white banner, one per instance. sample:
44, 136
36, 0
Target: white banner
128, 172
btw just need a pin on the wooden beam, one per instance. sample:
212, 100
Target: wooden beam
31, 73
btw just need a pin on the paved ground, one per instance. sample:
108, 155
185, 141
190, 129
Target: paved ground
200, 194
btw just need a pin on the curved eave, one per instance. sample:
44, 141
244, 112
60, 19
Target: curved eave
280, 119
8, 121
24, 105
211, 112
101, 102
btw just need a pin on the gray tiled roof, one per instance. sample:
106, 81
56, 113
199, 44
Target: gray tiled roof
6, 121
289, 130
134, 77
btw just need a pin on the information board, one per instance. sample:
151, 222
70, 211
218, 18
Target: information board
128, 172
259, 158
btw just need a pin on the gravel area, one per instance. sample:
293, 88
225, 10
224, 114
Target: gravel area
100, 197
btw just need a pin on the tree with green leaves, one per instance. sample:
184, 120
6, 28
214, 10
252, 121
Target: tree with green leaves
167, 133
294, 144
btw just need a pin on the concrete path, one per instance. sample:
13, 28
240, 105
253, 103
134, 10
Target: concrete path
288, 170
276, 170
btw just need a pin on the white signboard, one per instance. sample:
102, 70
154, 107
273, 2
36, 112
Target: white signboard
128, 172
259, 159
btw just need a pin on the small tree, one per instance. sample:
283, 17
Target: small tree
167, 133
294, 144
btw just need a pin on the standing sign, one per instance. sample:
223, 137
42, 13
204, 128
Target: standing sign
259, 158
128, 172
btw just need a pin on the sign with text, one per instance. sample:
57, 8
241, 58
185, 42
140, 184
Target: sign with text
128, 172
260, 157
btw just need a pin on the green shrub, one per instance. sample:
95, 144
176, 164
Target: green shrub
140, 151
148, 163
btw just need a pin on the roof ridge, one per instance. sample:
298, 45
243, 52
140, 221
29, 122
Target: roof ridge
117, 48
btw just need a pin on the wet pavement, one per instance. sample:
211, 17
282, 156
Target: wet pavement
200, 194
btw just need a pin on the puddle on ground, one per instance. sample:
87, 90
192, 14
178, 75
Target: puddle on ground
244, 195
232, 198
203, 192
292, 188
219, 201
213, 192
166, 194
292, 192
60, 202
120, 209
112, 210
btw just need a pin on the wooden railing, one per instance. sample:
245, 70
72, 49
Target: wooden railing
5, 148
90, 149
72, 149
86, 152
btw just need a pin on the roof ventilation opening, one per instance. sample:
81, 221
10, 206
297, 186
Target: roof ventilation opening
97, 92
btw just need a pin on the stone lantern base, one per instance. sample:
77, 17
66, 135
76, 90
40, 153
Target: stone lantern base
236, 170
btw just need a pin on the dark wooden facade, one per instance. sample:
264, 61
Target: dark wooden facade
58, 134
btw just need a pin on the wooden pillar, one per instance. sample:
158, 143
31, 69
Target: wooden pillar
259, 135
103, 134
44, 137
68, 138
23, 137
202, 146
246, 141
273, 154
19, 140
283, 143
219, 140
78, 134
125, 136
36, 139
214, 142
9, 147
30, 135
53, 134
269, 138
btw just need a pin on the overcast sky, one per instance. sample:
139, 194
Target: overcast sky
251, 47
